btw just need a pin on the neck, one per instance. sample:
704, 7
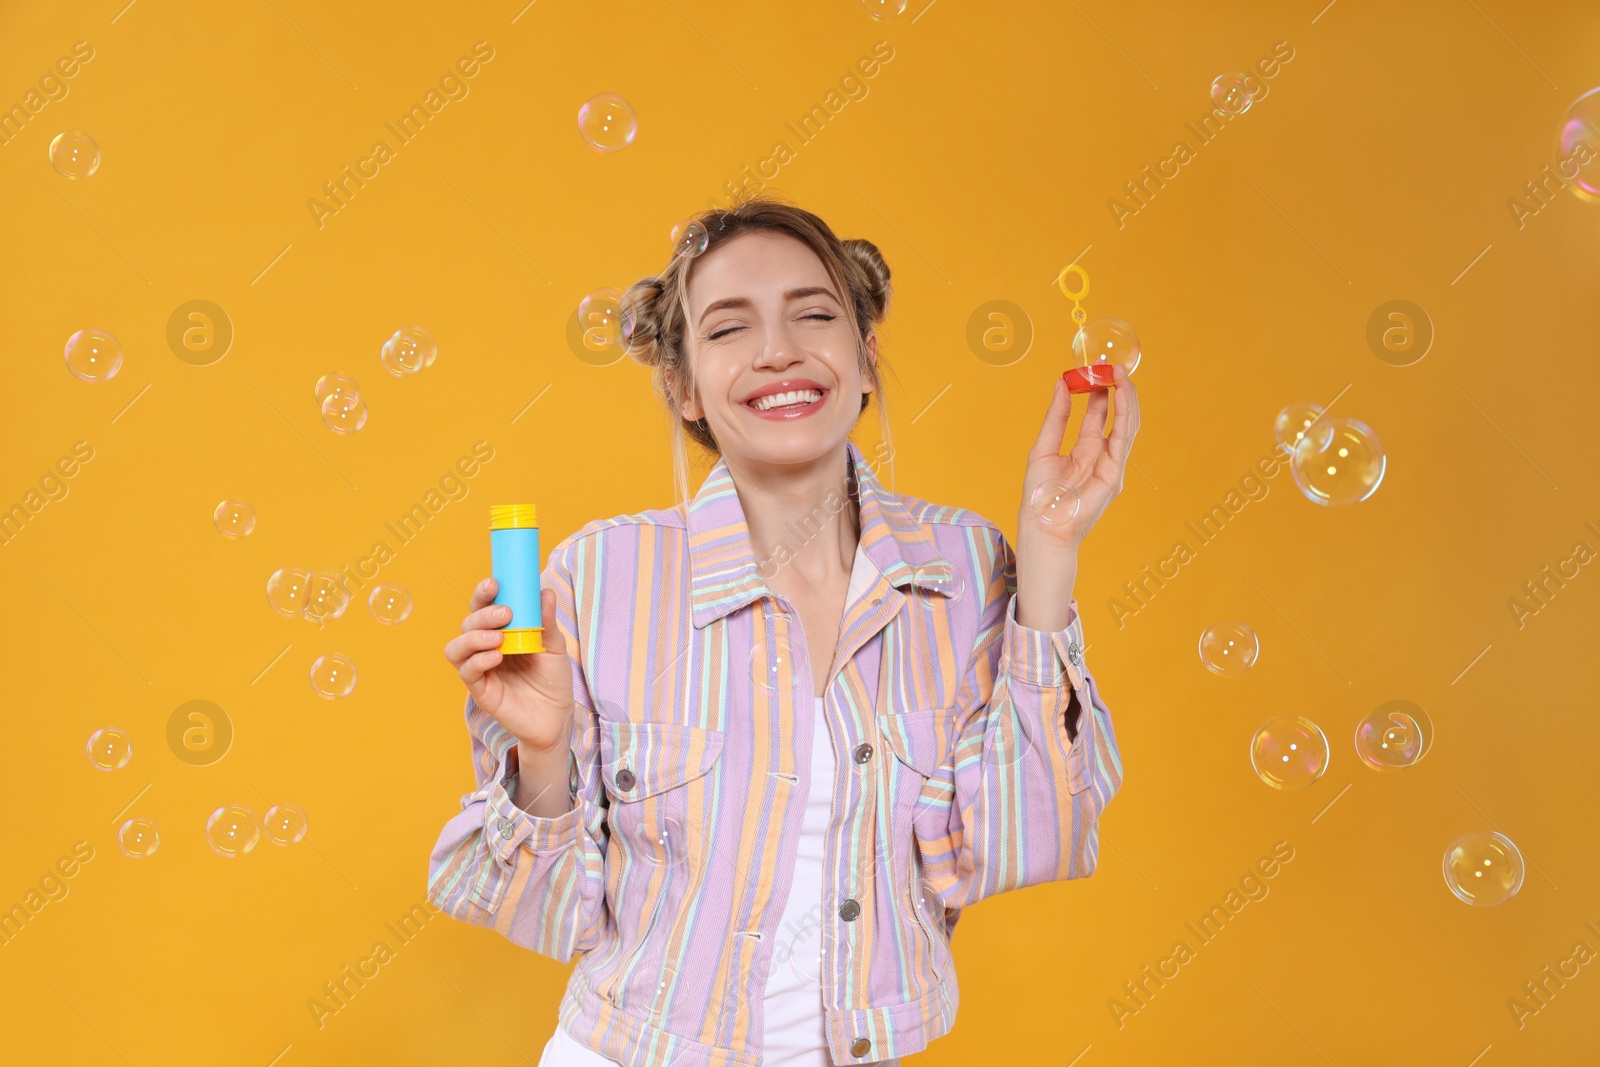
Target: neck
804, 521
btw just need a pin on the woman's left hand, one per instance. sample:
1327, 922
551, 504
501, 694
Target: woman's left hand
1094, 468
1050, 528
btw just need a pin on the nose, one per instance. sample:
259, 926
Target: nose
779, 350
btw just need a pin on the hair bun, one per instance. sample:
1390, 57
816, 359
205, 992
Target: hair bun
641, 320
865, 255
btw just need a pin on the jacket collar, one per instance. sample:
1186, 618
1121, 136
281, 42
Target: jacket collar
724, 574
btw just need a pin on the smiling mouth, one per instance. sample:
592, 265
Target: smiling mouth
793, 400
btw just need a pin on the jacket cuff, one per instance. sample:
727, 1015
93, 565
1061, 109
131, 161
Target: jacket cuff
508, 828
1046, 658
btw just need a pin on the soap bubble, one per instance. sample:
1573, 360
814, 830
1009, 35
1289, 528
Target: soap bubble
343, 414
410, 350
326, 597
110, 748
93, 355
1344, 466
286, 590
234, 518
1229, 648
689, 238
607, 122
1234, 92
1483, 869
1581, 126
1055, 503
1397, 735
1289, 752
884, 9
1296, 420
772, 660
339, 385
600, 316
138, 837
333, 676
232, 830
389, 603
284, 824
1097, 347
666, 838
74, 154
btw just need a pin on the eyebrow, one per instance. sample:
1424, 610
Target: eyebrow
792, 294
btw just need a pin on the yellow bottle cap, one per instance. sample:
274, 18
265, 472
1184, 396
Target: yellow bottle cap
512, 516
517, 642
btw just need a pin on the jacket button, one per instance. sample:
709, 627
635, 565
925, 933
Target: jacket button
860, 1047
863, 752
1075, 654
503, 824
848, 911
625, 779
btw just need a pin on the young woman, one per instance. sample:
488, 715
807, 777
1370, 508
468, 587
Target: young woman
784, 732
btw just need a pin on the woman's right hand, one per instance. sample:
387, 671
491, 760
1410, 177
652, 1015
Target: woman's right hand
529, 694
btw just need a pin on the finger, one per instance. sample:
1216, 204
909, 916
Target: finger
1054, 430
554, 639
1125, 423
487, 618
458, 649
473, 670
1091, 432
483, 594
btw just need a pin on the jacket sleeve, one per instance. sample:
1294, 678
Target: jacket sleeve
538, 881
1035, 757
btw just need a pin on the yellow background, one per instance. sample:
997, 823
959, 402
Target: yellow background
981, 162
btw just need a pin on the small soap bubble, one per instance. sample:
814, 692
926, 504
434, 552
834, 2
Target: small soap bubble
286, 590
343, 414
607, 122
600, 316
667, 839
772, 661
410, 350
110, 748
1484, 869
74, 154
1234, 92
1344, 466
1578, 144
326, 597
1295, 421
1229, 648
1289, 752
339, 386
1104, 342
1055, 503
1396, 735
284, 824
93, 355
232, 830
884, 9
138, 838
389, 603
689, 238
333, 676
234, 518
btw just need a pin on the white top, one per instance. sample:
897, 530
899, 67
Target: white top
792, 1002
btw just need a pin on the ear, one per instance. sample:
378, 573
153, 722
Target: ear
871, 382
686, 407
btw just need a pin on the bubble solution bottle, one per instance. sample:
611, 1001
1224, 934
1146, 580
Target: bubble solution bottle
514, 552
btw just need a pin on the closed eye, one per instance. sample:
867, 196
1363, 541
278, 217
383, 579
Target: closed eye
822, 315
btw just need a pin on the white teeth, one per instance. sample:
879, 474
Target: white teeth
777, 400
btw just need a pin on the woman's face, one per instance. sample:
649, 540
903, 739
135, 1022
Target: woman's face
765, 321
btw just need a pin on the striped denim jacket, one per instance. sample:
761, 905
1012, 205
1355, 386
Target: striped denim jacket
973, 755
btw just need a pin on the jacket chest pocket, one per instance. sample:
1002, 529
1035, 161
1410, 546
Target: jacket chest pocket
919, 800
650, 770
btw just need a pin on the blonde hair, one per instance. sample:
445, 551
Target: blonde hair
655, 313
